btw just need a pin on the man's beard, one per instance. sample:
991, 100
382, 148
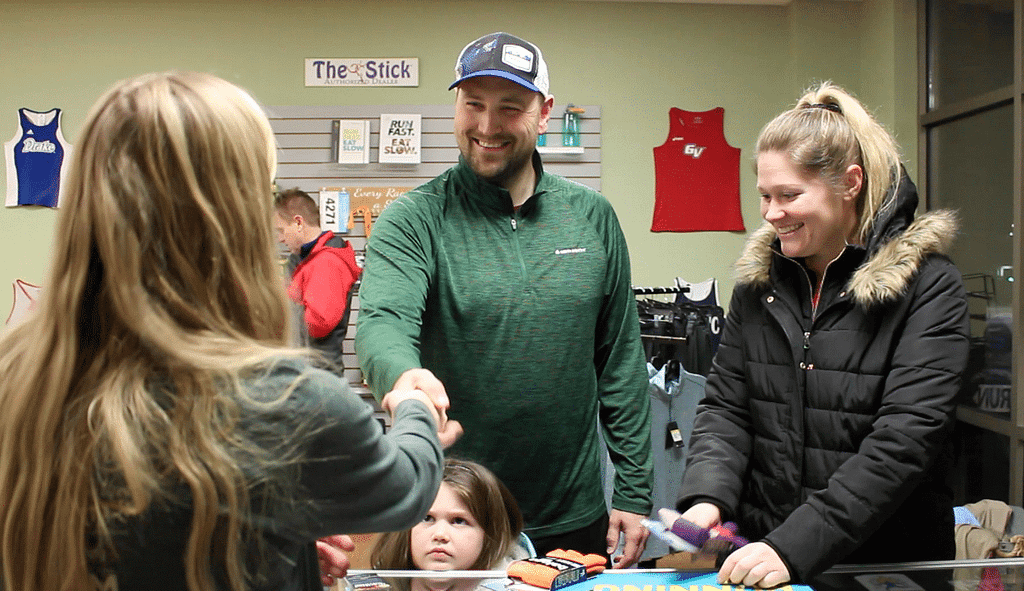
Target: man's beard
510, 170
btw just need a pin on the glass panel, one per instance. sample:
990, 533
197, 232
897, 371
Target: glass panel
982, 468
971, 170
970, 44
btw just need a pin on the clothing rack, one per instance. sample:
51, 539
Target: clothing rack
681, 329
659, 290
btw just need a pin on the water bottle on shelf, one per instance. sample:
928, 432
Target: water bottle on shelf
571, 125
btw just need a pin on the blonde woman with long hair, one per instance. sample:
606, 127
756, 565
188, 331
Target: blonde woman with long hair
156, 431
824, 426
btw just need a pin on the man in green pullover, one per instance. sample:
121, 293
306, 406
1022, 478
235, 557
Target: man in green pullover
504, 291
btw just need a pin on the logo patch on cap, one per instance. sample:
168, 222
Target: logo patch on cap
517, 57
505, 56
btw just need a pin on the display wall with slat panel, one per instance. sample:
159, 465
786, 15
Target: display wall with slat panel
303, 136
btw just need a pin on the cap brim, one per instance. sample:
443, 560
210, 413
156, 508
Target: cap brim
500, 74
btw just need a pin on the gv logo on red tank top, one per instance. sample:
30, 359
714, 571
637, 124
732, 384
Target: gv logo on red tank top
694, 150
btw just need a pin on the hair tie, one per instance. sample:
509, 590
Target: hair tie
827, 106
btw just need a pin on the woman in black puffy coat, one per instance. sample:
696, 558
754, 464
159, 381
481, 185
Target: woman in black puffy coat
823, 431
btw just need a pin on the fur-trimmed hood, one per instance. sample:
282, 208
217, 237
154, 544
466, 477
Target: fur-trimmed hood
896, 246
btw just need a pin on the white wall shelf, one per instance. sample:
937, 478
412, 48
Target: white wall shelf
563, 150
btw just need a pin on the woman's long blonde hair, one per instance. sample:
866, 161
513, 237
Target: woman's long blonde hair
163, 294
827, 131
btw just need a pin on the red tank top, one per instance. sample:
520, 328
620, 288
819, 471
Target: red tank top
696, 176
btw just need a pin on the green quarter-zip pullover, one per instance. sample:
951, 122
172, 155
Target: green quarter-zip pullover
528, 319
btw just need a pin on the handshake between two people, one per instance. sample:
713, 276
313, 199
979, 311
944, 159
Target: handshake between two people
414, 384
421, 384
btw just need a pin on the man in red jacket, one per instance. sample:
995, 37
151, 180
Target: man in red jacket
323, 269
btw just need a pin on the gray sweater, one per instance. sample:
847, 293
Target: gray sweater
350, 477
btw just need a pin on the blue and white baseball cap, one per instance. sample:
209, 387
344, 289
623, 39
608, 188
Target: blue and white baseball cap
505, 56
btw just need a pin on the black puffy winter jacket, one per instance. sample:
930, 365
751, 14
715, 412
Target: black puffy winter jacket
824, 433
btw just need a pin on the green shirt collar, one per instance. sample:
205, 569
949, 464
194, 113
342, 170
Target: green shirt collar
498, 198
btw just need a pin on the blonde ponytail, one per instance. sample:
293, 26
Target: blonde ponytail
826, 132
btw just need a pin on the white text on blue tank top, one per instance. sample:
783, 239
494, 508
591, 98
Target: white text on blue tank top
45, 146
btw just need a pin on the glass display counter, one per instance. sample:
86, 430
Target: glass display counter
963, 575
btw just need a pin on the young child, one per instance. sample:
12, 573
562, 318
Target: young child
474, 524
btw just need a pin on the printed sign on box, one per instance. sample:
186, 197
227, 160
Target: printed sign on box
400, 138
343, 71
350, 141
334, 209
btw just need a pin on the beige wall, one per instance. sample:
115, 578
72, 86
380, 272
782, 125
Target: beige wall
634, 59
